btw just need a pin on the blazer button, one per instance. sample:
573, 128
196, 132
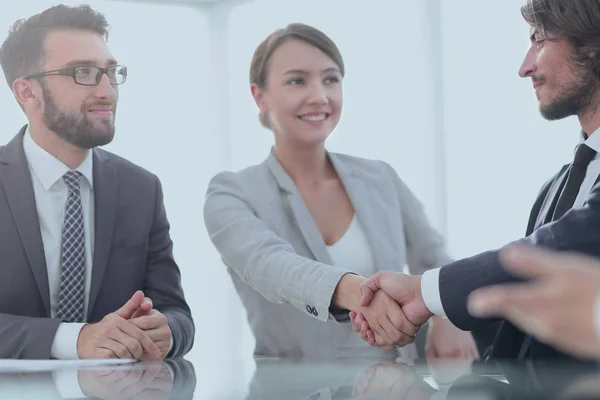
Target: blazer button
312, 310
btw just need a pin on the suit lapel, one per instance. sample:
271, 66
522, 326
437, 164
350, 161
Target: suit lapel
547, 209
16, 180
308, 228
373, 223
105, 203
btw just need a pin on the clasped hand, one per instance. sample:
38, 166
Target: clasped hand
391, 312
136, 331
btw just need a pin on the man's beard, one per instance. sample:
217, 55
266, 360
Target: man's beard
576, 99
77, 129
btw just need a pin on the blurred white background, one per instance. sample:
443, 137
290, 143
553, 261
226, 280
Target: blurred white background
431, 88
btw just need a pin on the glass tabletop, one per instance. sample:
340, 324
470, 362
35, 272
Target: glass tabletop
274, 378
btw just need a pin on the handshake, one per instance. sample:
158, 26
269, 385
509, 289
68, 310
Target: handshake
388, 310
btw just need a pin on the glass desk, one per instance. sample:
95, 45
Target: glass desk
285, 379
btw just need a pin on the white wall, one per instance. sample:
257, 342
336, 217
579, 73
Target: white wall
500, 151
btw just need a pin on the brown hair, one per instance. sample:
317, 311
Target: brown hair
306, 33
22, 53
576, 20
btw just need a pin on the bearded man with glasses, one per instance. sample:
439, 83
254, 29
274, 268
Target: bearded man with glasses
87, 264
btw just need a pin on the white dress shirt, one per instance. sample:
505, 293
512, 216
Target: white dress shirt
352, 251
51, 193
430, 286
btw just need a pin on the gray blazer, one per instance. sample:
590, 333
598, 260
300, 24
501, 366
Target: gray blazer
132, 250
279, 262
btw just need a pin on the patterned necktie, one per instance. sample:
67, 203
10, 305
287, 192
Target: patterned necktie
71, 295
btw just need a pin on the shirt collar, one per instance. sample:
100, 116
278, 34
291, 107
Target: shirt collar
49, 169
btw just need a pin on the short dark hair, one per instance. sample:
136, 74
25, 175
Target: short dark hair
306, 33
576, 20
22, 53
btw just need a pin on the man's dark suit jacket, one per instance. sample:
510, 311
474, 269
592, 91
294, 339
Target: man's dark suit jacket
578, 230
132, 250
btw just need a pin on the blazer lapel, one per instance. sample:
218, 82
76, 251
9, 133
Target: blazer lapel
105, 203
547, 209
358, 191
16, 179
308, 228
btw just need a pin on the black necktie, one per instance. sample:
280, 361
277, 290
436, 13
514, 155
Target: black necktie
583, 155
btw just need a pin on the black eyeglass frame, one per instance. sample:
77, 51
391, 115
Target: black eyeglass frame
71, 71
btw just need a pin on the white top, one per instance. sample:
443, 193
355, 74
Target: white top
352, 251
51, 193
430, 286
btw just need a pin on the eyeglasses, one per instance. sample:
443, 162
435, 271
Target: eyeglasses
88, 75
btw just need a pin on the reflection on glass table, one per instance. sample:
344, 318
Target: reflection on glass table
304, 380
432, 379
171, 379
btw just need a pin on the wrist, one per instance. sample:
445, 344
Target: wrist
419, 295
81, 341
347, 292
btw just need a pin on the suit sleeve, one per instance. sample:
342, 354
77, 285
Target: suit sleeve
163, 281
26, 337
261, 258
578, 230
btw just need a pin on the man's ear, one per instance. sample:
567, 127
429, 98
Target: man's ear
25, 93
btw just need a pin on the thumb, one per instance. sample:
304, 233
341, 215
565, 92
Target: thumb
368, 289
131, 306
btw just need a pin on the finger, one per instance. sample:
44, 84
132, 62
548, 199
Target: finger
159, 335
356, 325
371, 338
144, 308
379, 340
104, 353
134, 348
533, 262
367, 332
529, 323
116, 347
358, 322
498, 299
368, 289
352, 315
145, 342
151, 321
360, 317
394, 336
400, 322
365, 337
129, 308
363, 329
384, 329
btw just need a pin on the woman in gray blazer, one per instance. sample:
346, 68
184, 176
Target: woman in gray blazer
300, 231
